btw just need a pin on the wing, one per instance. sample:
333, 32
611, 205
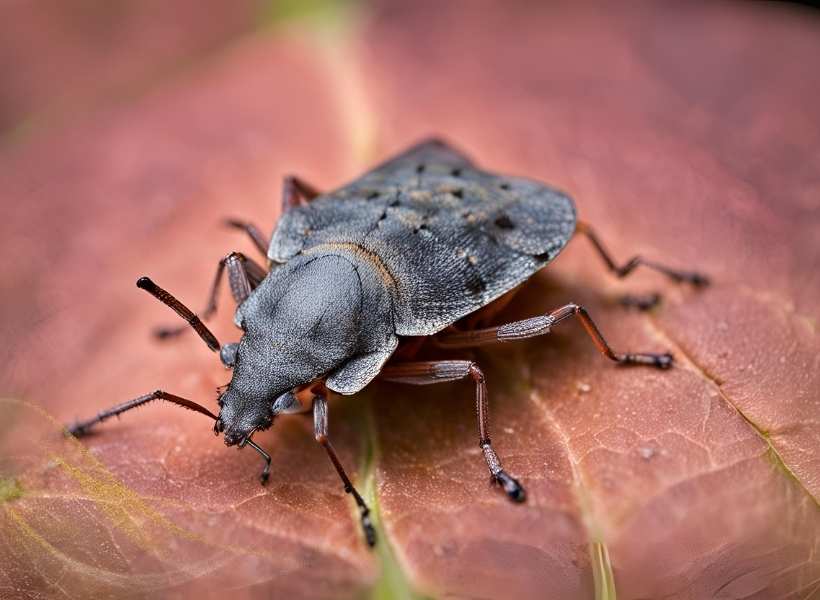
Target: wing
449, 237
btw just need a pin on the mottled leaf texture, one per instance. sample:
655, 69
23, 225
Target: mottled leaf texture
685, 132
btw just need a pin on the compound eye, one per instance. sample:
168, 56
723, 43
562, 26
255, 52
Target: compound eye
219, 426
227, 354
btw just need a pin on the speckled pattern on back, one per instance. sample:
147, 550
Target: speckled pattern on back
447, 237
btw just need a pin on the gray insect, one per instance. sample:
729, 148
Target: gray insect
358, 274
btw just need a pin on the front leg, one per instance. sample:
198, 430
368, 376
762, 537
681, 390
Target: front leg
320, 433
439, 371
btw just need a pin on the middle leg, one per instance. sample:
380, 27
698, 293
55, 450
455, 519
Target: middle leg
439, 371
541, 325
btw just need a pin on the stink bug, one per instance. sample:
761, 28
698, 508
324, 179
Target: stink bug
407, 250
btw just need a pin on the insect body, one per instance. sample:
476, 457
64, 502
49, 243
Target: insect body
408, 249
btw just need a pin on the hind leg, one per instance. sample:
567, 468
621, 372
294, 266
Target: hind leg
639, 302
440, 371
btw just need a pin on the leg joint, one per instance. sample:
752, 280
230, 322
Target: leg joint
474, 371
233, 256
567, 311
628, 267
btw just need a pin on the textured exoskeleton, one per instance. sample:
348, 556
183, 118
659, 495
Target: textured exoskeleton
406, 250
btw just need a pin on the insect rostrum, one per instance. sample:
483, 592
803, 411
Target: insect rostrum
406, 250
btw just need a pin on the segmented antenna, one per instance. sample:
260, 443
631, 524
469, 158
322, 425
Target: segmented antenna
179, 308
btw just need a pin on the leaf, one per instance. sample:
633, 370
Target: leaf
686, 134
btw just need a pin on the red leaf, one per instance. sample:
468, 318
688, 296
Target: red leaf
687, 134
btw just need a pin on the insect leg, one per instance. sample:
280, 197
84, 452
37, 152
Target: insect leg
243, 276
263, 477
320, 433
644, 302
695, 279
542, 325
253, 232
439, 371
296, 192
81, 428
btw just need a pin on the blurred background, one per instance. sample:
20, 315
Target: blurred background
687, 132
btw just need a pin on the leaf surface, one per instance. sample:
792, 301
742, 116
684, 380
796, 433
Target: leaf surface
702, 481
